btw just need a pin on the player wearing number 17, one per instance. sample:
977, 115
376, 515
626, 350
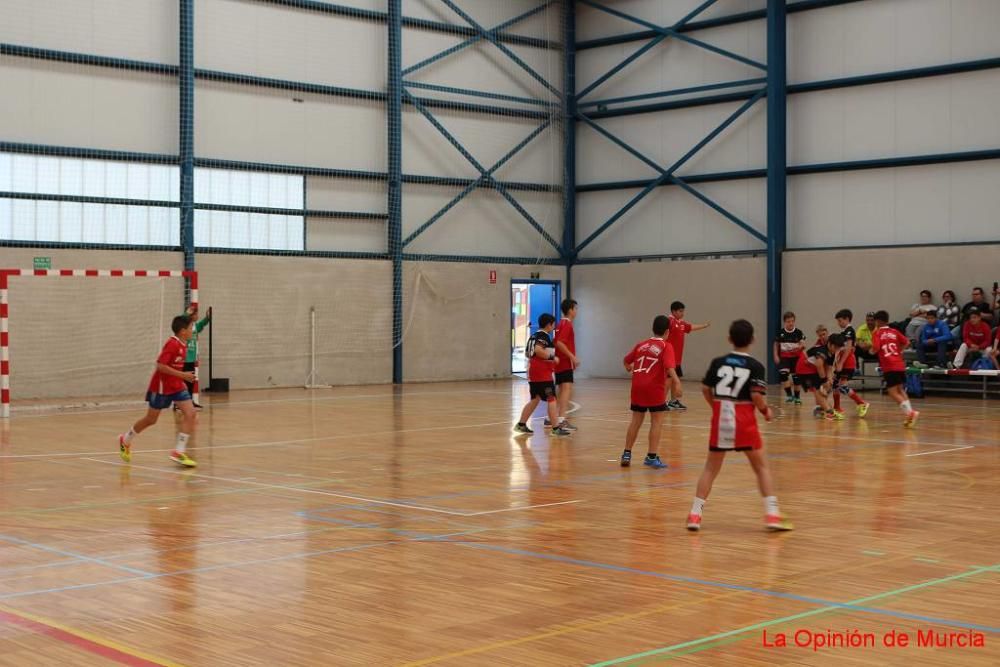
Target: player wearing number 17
651, 363
735, 386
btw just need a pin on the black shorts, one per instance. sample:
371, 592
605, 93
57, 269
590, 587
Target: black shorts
845, 375
809, 381
543, 390
787, 364
649, 408
679, 371
894, 378
562, 377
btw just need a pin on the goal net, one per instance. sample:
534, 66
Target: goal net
76, 338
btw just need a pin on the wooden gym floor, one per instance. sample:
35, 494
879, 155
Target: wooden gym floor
382, 526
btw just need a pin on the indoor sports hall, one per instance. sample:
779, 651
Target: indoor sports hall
530, 333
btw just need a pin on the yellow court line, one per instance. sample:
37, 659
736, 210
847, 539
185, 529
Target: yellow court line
628, 617
90, 637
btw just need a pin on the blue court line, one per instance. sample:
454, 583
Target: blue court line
737, 587
79, 557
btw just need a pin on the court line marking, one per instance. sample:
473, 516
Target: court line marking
83, 640
740, 587
793, 617
79, 557
942, 451
333, 494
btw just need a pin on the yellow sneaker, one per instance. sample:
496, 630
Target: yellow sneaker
182, 458
777, 523
124, 449
863, 409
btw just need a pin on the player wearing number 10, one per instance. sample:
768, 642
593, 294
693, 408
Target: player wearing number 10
890, 345
734, 386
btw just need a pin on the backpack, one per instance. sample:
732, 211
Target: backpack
983, 363
914, 386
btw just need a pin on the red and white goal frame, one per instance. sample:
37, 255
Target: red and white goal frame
6, 274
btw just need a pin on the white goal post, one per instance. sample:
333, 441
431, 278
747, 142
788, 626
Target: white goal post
7, 274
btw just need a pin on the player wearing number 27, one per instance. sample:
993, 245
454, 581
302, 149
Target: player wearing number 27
735, 386
651, 364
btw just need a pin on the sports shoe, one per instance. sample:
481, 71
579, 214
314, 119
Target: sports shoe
654, 462
560, 431
789, 399
863, 409
775, 522
124, 448
835, 416
919, 364
818, 412
911, 419
797, 400
566, 425
547, 422
626, 458
182, 458
694, 522
677, 405
522, 428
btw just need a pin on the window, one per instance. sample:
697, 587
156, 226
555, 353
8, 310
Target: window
264, 231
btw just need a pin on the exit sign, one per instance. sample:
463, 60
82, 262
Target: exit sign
43, 263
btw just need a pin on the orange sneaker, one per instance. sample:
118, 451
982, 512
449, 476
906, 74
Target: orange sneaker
775, 522
694, 522
911, 419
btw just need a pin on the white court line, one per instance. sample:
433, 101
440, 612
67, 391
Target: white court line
232, 480
941, 451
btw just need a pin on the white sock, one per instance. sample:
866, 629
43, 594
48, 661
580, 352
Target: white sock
906, 407
182, 441
697, 506
771, 506
128, 436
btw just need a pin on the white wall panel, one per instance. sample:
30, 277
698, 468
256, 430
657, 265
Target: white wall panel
669, 220
920, 116
281, 42
666, 136
74, 105
341, 194
483, 223
136, 29
345, 235
265, 125
487, 139
593, 23
953, 203
545, 25
884, 35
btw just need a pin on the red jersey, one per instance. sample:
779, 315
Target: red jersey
173, 354
650, 360
976, 334
566, 336
539, 369
678, 329
890, 345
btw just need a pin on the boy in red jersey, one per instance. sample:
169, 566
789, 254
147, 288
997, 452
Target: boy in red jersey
565, 339
788, 346
814, 372
846, 364
166, 387
975, 337
735, 385
651, 363
542, 360
678, 330
890, 344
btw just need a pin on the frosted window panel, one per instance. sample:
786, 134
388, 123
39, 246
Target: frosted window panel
296, 190
159, 183
94, 178
239, 230
239, 186
277, 232
23, 219
116, 180
258, 189
202, 232
25, 168
70, 221
175, 227
93, 223
159, 225
219, 226
276, 191
175, 183
219, 191
6, 172
202, 186
296, 233
71, 177
258, 230
6, 218
138, 181
47, 175
137, 222
115, 220
47, 221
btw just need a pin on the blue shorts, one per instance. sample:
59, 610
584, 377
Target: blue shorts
163, 401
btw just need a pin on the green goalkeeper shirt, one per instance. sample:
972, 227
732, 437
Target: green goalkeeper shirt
192, 346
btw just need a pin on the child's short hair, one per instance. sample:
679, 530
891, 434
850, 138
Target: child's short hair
927, 293
844, 313
567, 305
677, 305
741, 333
931, 313
882, 316
660, 325
180, 323
821, 328
544, 320
789, 315
837, 340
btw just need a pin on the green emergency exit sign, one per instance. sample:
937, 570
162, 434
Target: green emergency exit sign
43, 263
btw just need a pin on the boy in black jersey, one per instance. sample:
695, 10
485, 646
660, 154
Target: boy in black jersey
846, 364
814, 372
788, 345
735, 386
